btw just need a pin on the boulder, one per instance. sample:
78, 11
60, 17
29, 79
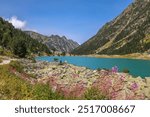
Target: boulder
147, 81
147, 93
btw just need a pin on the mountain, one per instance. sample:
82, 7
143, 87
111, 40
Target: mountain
127, 33
17, 42
55, 42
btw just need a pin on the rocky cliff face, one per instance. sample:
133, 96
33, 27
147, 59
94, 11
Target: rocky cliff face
127, 33
55, 42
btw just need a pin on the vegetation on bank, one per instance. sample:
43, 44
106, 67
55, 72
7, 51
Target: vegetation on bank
16, 65
14, 88
1, 60
94, 93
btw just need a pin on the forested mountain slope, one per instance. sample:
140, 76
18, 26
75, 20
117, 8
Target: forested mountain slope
126, 34
17, 42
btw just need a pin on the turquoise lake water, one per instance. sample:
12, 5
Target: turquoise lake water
136, 67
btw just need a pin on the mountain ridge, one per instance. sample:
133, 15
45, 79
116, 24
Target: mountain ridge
54, 42
123, 35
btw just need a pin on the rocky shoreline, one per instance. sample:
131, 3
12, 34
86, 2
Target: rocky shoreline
73, 80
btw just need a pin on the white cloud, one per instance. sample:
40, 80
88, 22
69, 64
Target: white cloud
17, 23
29, 29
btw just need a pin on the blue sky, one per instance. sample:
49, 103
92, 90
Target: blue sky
76, 19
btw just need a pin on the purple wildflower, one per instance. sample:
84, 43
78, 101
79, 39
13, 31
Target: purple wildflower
134, 86
114, 69
122, 77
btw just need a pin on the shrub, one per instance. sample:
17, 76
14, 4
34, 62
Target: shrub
16, 65
1, 60
63, 54
32, 75
56, 59
94, 94
44, 92
1, 51
33, 60
41, 91
126, 71
20, 49
99, 69
12, 87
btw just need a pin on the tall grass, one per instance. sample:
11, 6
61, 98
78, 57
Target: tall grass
14, 88
1, 60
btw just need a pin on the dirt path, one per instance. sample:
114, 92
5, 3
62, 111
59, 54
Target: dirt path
5, 62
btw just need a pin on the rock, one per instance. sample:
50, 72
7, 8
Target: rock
61, 44
121, 95
146, 92
147, 81
70, 78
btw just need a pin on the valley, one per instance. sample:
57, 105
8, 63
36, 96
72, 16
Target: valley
114, 64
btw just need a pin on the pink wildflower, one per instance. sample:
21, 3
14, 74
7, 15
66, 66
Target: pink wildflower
134, 86
114, 69
122, 77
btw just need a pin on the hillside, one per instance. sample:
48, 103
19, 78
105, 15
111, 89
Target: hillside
16, 42
55, 42
128, 33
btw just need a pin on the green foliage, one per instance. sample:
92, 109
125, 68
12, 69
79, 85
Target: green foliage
16, 65
41, 91
134, 46
94, 94
31, 75
63, 53
12, 87
126, 71
99, 69
44, 92
19, 42
113, 39
1, 60
20, 49
56, 59
33, 60
1, 51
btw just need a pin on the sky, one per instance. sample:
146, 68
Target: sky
76, 19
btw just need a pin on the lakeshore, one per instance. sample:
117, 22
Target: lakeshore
143, 56
74, 81
136, 67
71, 80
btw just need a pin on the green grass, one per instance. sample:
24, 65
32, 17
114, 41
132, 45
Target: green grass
14, 88
147, 39
94, 94
16, 65
1, 60
11, 87
126, 71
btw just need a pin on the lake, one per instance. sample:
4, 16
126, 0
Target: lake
136, 67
